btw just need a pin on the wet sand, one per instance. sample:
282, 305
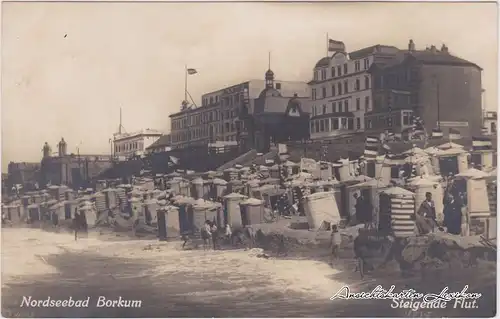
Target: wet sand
175, 283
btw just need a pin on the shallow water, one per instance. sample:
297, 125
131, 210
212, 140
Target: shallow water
175, 283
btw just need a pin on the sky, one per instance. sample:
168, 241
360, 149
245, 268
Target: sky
68, 68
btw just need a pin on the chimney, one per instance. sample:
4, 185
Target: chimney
411, 46
433, 49
444, 49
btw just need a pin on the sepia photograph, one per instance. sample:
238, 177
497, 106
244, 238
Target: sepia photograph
249, 159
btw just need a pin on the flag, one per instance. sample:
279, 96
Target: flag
417, 126
371, 147
174, 160
437, 133
335, 46
191, 71
454, 134
481, 144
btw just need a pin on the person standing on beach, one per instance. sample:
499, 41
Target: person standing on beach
335, 241
76, 224
215, 233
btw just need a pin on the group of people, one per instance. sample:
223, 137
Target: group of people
210, 233
454, 212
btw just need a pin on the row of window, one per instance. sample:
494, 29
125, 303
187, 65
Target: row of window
333, 124
232, 100
340, 88
341, 106
205, 132
129, 147
206, 117
398, 119
340, 70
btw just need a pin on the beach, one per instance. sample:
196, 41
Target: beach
170, 282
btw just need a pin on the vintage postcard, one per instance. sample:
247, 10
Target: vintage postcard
249, 159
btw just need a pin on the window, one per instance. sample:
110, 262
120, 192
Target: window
358, 85
312, 126
357, 66
358, 123
346, 87
346, 105
367, 82
333, 90
278, 86
345, 68
323, 74
324, 108
313, 94
335, 123
333, 72
367, 103
315, 76
358, 104
334, 106
368, 124
211, 100
322, 125
339, 87
324, 92
317, 126
339, 70
366, 63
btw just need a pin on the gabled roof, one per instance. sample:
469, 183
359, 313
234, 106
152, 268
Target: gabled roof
164, 140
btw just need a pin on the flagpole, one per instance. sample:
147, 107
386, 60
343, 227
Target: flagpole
185, 82
327, 42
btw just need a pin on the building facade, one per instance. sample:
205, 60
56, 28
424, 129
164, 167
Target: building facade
219, 118
275, 117
442, 89
135, 143
341, 90
490, 123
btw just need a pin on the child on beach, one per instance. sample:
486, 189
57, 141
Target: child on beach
335, 241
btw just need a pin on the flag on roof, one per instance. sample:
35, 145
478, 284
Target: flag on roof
335, 46
481, 143
174, 160
191, 71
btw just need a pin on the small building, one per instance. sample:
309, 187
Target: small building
163, 144
135, 143
275, 118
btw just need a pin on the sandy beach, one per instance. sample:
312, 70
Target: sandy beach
171, 282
